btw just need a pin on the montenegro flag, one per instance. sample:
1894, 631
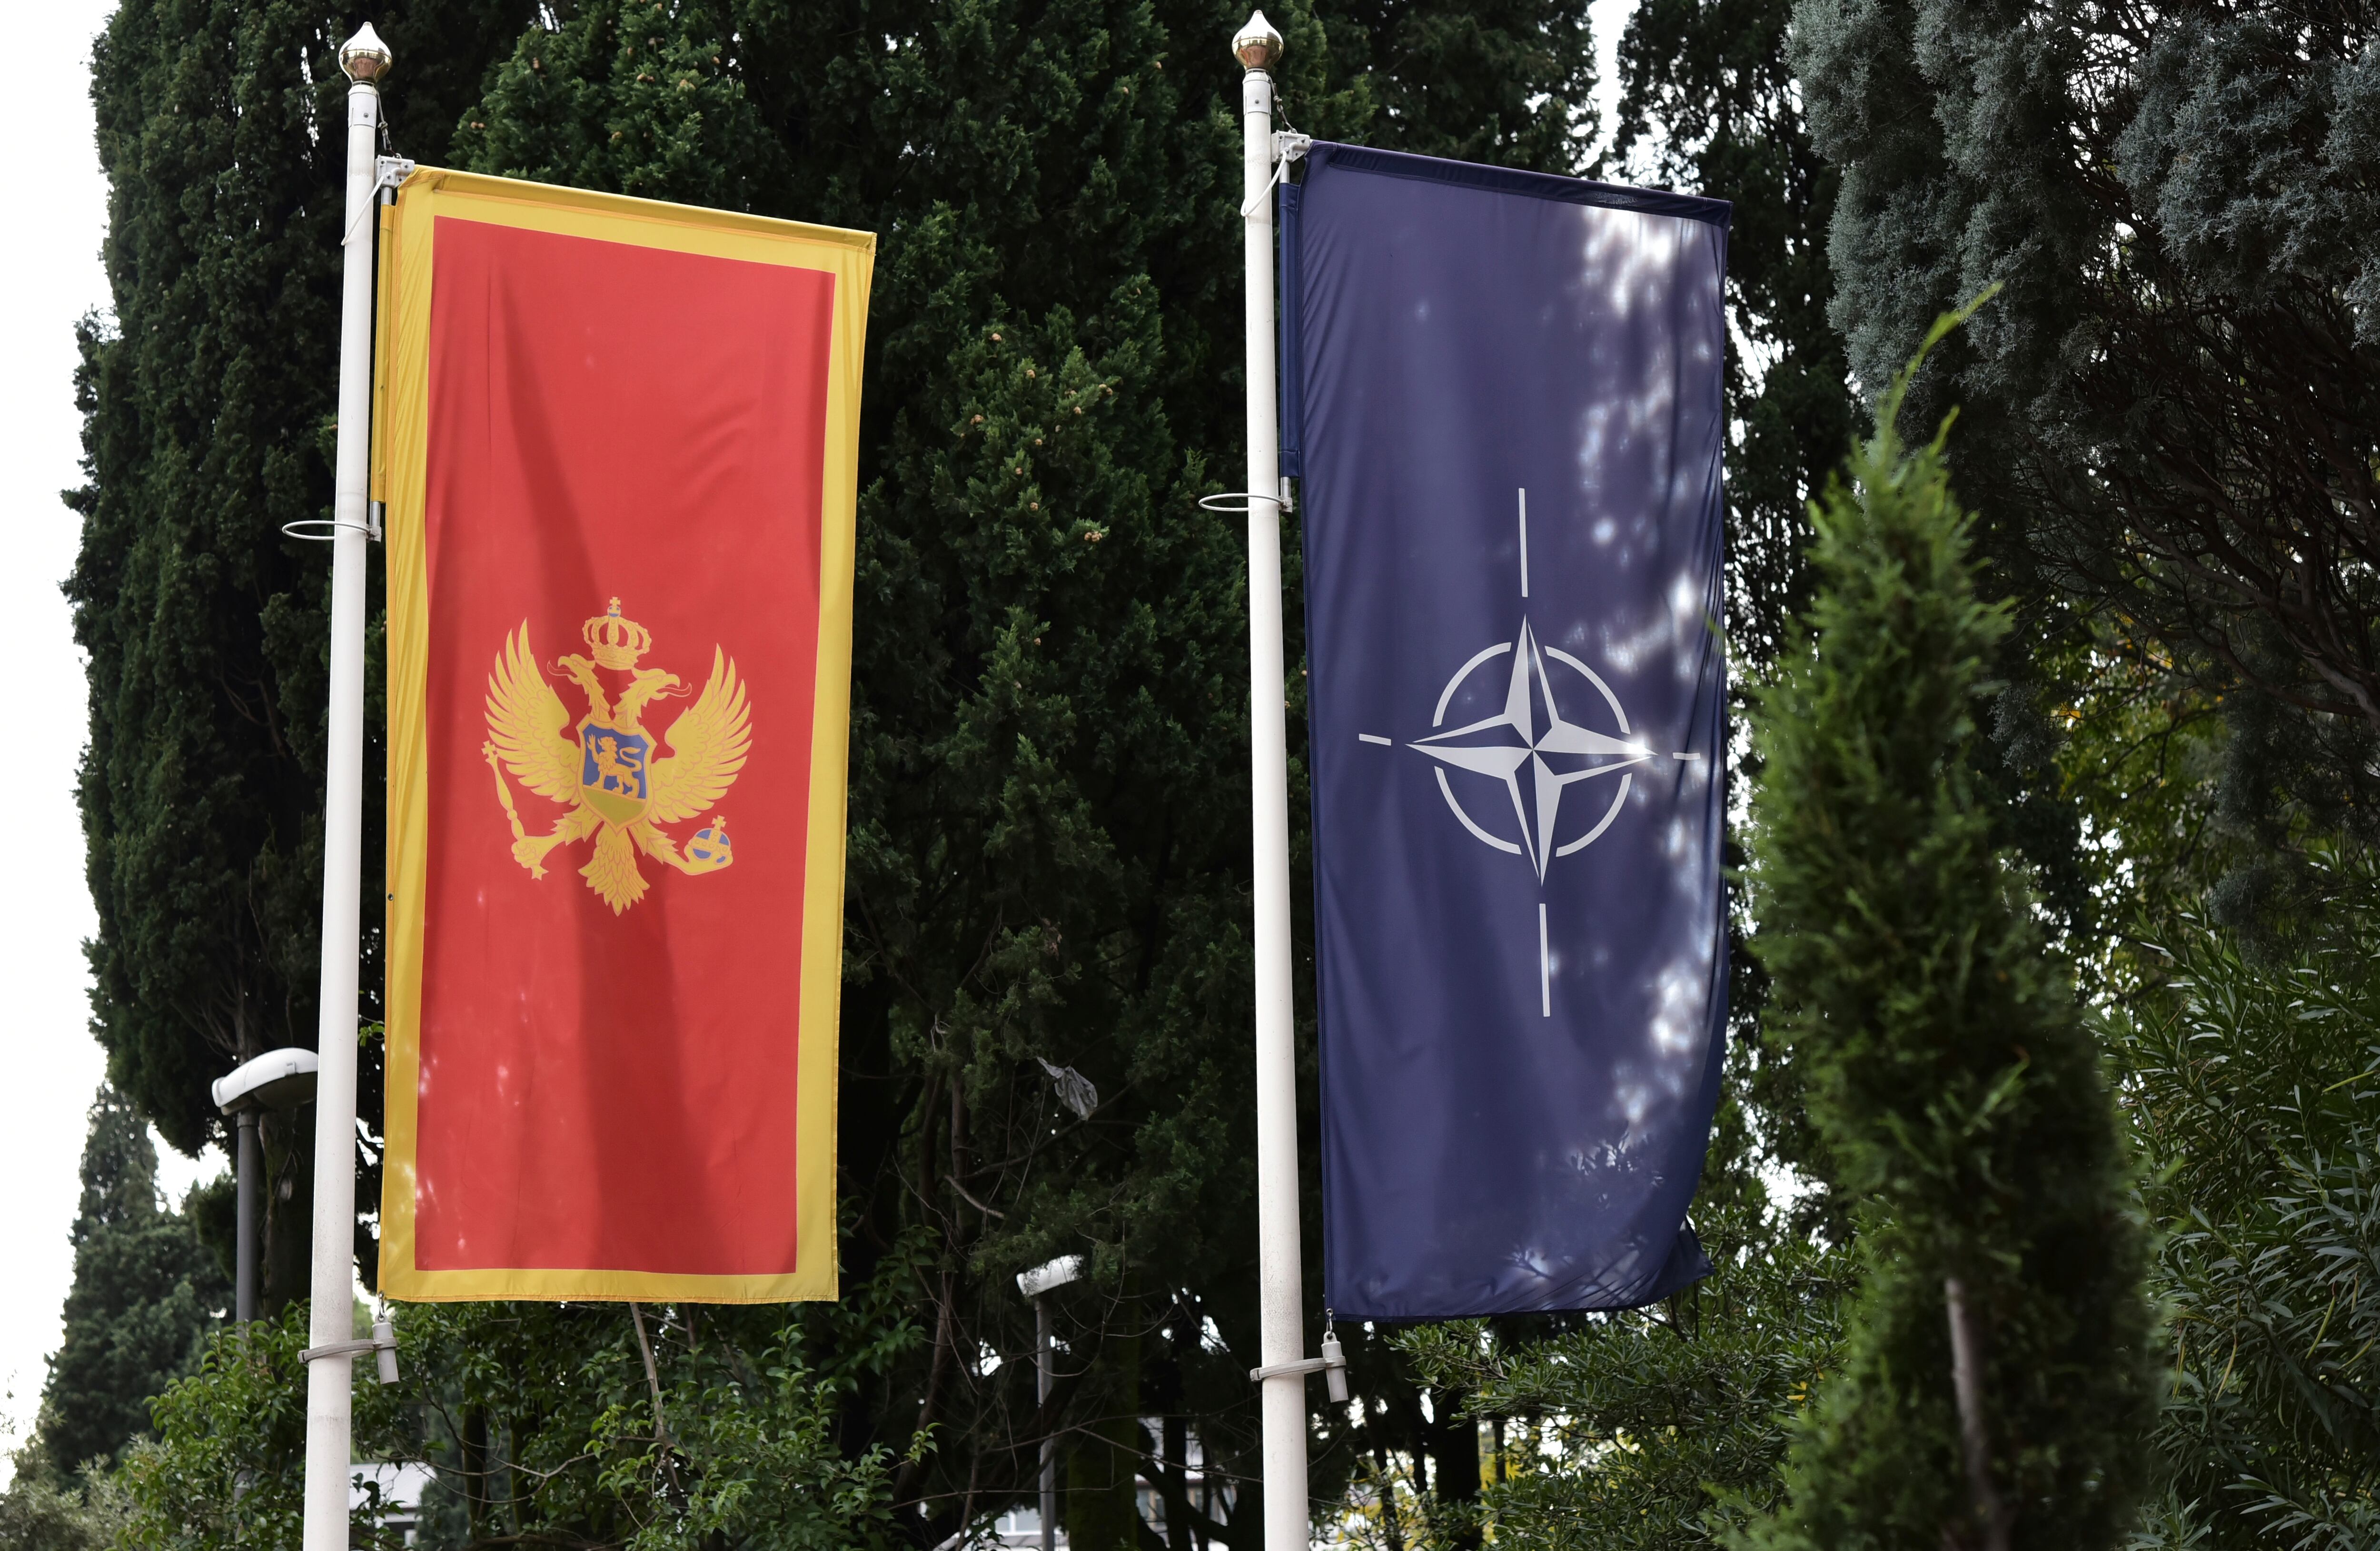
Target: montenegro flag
615, 442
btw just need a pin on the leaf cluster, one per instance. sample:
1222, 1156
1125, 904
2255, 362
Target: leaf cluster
1658, 1428
2248, 1081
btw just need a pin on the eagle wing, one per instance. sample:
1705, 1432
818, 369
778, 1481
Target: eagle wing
525, 721
708, 745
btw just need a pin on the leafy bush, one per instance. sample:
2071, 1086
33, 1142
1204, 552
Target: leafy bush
542, 1425
2252, 1084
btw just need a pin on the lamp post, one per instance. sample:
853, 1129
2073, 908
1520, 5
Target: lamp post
275, 1080
1038, 1284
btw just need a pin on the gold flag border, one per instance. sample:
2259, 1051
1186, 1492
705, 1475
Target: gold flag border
399, 478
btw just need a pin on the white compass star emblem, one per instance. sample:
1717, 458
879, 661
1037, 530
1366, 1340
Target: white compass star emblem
1532, 748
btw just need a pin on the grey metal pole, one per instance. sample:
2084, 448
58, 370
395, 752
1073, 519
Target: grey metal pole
252, 1168
1046, 1348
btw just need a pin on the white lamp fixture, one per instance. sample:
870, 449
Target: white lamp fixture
275, 1080
1050, 1276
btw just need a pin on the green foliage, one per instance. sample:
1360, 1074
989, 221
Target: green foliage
541, 1424
1654, 1430
748, 1457
2250, 1083
1947, 1065
40, 1510
1710, 106
206, 392
1509, 82
228, 1465
146, 1295
202, 393
2173, 408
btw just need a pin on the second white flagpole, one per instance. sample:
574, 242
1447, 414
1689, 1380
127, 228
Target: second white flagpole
331, 1322
1280, 1298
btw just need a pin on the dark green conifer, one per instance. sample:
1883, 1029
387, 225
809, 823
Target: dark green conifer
1950, 1074
2172, 410
1047, 848
206, 390
145, 1297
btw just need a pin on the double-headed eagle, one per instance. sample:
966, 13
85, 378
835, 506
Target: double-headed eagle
603, 769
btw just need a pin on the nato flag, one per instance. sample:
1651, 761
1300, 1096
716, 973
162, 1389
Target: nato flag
1501, 394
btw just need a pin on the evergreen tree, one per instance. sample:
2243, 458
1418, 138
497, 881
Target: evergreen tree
1509, 82
2175, 409
1997, 1376
207, 394
1047, 848
1710, 106
145, 1296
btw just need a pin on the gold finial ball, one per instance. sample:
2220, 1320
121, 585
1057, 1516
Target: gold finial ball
1256, 45
365, 58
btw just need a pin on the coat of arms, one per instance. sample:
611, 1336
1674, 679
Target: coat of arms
604, 770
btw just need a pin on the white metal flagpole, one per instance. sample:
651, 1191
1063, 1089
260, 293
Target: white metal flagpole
331, 1329
1279, 1304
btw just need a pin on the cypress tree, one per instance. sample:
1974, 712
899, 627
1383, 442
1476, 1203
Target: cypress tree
1047, 847
1046, 843
207, 394
1710, 106
1996, 1380
145, 1297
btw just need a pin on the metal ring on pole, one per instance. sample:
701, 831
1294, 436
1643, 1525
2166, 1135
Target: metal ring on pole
1217, 503
345, 1349
329, 527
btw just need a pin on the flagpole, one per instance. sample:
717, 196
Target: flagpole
331, 1327
1280, 1301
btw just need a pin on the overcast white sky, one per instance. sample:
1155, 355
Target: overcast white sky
49, 1065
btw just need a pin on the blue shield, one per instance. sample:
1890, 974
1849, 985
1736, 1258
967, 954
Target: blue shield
613, 770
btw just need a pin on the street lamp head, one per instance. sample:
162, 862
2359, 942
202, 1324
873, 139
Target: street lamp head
1258, 45
1050, 1276
275, 1080
365, 58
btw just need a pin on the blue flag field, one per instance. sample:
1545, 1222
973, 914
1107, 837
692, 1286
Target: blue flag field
1501, 395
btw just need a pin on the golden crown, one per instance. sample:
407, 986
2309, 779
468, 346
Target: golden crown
617, 642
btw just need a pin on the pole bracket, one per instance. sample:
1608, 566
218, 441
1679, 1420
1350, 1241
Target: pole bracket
1288, 145
1332, 1362
390, 171
382, 1340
